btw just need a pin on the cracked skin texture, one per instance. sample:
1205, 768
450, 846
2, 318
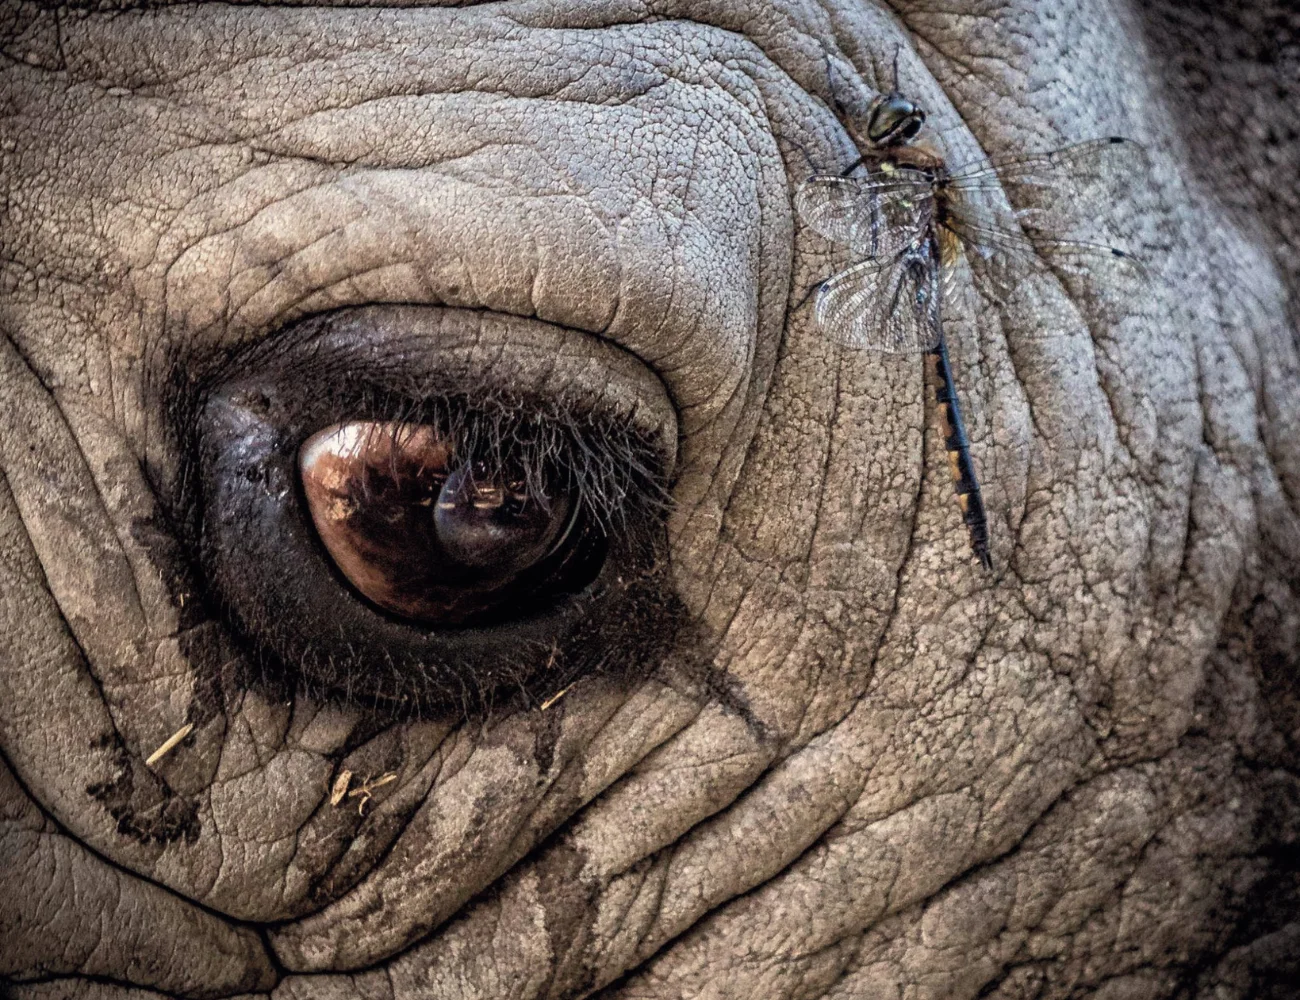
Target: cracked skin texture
1077, 777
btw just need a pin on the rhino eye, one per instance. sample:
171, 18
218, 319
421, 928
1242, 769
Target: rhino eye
386, 515
424, 564
433, 538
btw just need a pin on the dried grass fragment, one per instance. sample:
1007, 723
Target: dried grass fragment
365, 791
170, 745
340, 788
555, 697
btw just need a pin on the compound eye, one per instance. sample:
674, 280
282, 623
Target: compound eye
894, 120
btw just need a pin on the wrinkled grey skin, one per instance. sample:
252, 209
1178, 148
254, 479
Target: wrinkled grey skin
1077, 777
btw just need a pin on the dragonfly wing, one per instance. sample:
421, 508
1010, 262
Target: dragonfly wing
1112, 160
1065, 203
885, 305
1001, 238
875, 214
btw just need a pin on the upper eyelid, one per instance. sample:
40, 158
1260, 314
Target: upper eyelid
420, 352
285, 240
272, 245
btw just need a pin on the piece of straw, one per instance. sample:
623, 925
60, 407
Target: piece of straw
170, 745
367, 787
340, 788
555, 697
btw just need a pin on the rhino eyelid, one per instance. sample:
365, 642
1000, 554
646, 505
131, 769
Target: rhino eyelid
294, 611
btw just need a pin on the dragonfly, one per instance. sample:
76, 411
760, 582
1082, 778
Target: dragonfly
907, 219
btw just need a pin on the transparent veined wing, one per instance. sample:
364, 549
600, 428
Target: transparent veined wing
1111, 161
875, 214
1025, 242
889, 304
1008, 250
1064, 206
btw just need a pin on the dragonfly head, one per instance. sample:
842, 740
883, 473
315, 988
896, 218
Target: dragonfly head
893, 120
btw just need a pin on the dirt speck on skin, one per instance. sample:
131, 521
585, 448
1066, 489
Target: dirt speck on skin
171, 819
148, 811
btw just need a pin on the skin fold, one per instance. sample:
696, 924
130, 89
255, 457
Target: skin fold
844, 762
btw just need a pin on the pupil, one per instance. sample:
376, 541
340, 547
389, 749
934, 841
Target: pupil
494, 526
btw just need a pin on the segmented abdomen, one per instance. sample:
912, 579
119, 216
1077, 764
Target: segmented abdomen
957, 446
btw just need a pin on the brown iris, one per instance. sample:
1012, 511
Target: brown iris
425, 535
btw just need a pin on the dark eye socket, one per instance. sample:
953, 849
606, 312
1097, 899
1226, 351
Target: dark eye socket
421, 541
439, 538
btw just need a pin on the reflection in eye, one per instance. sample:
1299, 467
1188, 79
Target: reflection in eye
431, 537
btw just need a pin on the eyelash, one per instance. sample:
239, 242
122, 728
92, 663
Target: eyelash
609, 464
